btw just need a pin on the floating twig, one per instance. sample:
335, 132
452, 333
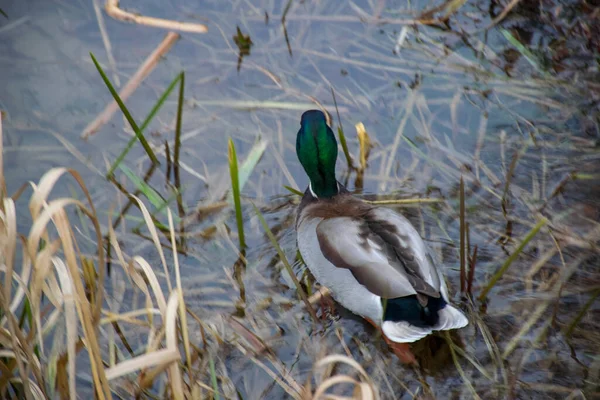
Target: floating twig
112, 9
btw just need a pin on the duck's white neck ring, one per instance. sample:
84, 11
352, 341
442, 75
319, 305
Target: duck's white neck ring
311, 191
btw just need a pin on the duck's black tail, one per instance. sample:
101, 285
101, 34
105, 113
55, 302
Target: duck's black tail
409, 309
405, 320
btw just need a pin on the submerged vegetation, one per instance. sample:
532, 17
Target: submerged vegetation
162, 264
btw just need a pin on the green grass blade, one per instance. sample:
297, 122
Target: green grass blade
529, 56
151, 194
181, 76
293, 191
146, 122
176, 172
286, 9
345, 146
213, 377
587, 305
512, 258
235, 190
161, 209
286, 264
248, 166
125, 111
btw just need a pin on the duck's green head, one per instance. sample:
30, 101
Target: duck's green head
317, 151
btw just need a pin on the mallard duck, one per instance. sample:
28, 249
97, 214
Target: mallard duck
371, 259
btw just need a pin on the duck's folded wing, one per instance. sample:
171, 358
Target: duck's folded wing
386, 269
409, 247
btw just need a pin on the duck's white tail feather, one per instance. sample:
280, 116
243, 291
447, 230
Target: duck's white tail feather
450, 318
403, 332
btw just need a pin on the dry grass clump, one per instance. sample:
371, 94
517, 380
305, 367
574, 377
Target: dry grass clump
53, 297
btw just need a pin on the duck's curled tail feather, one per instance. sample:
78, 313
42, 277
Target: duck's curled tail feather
449, 317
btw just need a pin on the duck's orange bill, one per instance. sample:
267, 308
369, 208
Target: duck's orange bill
401, 350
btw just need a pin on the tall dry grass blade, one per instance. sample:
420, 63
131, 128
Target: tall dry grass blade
286, 264
341, 135
459, 368
8, 221
106, 41
393, 149
170, 321
153, 282
70, 318
88, 313
512, 257
157, 357
130, 271
55, 212
182, 311
41, 193
155, 239
364, 143
2, 182
366, 388
17, 340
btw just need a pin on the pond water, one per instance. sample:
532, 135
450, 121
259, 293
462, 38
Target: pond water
447, 103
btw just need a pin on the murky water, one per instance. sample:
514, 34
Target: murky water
440, 108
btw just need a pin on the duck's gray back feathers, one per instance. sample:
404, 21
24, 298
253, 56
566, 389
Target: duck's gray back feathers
379, 247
